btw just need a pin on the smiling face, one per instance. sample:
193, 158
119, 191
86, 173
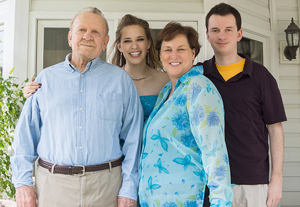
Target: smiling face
223, 35
134, 44
177, 57
88, 37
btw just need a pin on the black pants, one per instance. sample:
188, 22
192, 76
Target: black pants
206, 198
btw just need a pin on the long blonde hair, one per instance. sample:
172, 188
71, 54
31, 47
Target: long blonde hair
129, 20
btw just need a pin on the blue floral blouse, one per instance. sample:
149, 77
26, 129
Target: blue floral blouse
184, 147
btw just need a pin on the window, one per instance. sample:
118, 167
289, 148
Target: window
55, 46
252, 48
255, 45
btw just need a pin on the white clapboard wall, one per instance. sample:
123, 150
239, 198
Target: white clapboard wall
289, 81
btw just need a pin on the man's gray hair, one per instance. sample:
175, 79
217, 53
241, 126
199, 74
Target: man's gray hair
92, 10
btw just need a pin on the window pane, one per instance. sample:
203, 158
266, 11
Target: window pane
56, 46
295, 38
290, 39
154, 33
252, 48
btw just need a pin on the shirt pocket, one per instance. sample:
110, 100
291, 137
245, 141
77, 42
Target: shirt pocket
110, 106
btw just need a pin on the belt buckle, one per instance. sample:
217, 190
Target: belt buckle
83, 171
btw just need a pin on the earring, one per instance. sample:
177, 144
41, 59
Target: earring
148, 57
121, 56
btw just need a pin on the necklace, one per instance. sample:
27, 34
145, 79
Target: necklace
144, 76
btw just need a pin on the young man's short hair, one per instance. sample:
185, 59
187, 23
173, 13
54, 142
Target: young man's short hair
223, 9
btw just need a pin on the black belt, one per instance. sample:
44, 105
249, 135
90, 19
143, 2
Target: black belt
78, 169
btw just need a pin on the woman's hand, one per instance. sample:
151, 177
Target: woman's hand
31, 88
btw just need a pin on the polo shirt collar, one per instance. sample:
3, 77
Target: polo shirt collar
93, 64
211, 69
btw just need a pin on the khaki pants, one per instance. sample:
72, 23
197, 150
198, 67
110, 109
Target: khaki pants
98, 188
250, 195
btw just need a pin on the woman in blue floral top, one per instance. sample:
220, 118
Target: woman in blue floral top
183, 147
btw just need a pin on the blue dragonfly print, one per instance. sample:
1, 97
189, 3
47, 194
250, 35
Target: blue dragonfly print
151, 186
186, 161
214, 149
162, 140
160, 167
201, 174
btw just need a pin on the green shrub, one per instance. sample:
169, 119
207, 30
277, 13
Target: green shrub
11, 102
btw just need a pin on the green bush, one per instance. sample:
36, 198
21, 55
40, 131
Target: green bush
11, 102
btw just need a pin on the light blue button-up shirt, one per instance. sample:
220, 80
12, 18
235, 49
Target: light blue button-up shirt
78, 118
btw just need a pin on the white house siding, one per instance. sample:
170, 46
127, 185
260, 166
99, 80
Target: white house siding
127, 6
255, 12
289, 82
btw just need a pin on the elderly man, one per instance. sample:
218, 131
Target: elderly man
74, 124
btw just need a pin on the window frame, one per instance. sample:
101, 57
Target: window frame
260, 38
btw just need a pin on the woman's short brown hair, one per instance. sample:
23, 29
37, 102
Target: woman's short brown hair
172, 29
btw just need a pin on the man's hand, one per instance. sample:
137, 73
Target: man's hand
274, 192
26, 196
126, 202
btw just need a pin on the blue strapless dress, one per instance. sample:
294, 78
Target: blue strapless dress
148, 103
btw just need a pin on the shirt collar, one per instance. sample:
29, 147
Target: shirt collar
164, 93
93, 64
211, 69
196, 70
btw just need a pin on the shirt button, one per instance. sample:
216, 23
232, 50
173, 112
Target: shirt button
80, 109
90, 69
81, 75
80, 147
80, 91
80, 127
